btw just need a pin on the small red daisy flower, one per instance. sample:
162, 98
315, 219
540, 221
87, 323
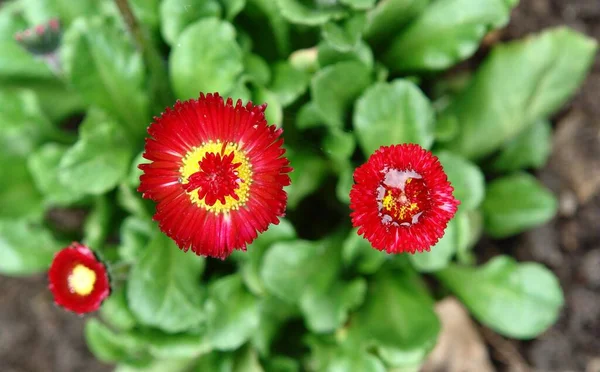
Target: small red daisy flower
78, 280
216, 173
401, 200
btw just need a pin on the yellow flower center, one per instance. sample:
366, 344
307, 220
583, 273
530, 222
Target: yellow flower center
82, 280
214, 181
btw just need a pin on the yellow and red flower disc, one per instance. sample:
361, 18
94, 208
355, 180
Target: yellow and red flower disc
402, 200
78, 280
216, 173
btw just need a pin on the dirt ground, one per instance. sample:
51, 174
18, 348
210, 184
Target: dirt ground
36, 336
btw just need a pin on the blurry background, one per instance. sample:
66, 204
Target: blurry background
37, 336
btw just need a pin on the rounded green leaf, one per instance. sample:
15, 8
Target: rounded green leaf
530, 149
25, 248
87, 167
19, 197
390, 16
163, 289
519, 83
393, 113
328, 55
446, 32
309, 172
516, 203
398, 313
516, 300
441, 253
176, 15
206, 58
43, 166
289, 83
344, 36
296, 12
358, 252
115, 311
111, 347
232, 313
274, 111
334, 89
466, 178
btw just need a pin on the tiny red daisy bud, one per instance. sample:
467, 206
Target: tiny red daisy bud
78, 279
216, 173
41, 40
401, 200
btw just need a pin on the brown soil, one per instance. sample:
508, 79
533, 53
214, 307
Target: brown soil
37, 336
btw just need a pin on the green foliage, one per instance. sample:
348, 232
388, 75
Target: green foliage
391, 113
342, 78
516, 300
516, 203
518, 84
212, 41
162, 289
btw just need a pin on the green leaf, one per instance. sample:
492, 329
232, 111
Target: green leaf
345, 183
529, 149
390, 16
398, 313
135, 235
109, 346
87, 166
171, 365
252, 259
247, 361
359, 4
115, 311
305, 273
256, 69
516, 203
23, 126
232, 8
38, 11
339, 145
211, 41
96, 226
519, 300
289, 83
406, 360
356, 362
308, 117
43, 165
358, 252
273, 314
309, 172
446, 32
164, 345
441, 253
291, 269
334, 89
19, 198
163, 290
328, 55
519, 83
176, 15
103, 66
392, 113
466, 178
326, 311
274, 111
270, 27
232, 313
320, 13
25, 248
147, 12
344, 35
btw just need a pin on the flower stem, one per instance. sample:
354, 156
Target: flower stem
159, 82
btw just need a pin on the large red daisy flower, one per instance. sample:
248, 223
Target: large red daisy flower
78, 280
216, 173
401, 200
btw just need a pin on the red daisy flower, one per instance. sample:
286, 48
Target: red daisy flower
401, 200
216, 173
78, 280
